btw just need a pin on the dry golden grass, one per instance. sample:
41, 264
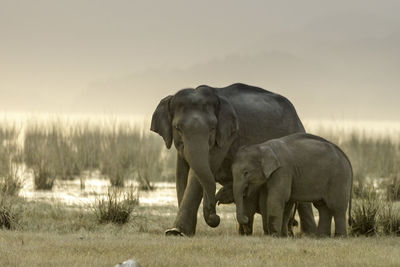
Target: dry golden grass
109, 248
52, 235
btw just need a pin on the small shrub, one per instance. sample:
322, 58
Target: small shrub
10, 159
365, 216
43, 178
116, 206
117, 175
393, 189
50, 153
149, 165
390, 220
10, 214
87, 139
10, 180
10, 184
119, 153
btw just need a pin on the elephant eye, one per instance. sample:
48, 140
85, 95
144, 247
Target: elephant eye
245, 172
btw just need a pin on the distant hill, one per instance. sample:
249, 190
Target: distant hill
330, 81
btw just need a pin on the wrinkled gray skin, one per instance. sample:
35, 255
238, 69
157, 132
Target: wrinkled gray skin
296, 168
207, 126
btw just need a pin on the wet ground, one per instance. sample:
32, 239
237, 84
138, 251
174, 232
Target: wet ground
70, 193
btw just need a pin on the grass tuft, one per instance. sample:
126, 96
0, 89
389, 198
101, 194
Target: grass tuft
390, 220
116, 206
365, 216
10, 161
10, 212
393, 188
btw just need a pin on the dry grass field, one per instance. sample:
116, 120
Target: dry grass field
108, 248
52, 235
58, 237
114, 227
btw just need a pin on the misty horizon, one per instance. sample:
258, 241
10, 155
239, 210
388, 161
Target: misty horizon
337, 60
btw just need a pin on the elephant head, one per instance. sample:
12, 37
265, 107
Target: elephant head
197, 120
252, 167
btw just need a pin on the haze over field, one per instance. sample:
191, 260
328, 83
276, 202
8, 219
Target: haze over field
334, 60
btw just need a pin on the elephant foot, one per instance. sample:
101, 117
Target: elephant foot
340, 235
213, 220
174, 232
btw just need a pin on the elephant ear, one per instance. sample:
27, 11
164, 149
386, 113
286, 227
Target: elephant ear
227, 122
269, 162
161, 121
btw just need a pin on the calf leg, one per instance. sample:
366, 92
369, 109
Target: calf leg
325, 219
286, 218
340, 223
275, 207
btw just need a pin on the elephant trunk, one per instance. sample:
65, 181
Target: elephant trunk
197, 154
238, 190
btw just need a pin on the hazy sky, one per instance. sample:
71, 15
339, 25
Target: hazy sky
333, 59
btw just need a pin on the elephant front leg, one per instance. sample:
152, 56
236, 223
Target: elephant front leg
250, 206
275, 207
186, 220
246, 229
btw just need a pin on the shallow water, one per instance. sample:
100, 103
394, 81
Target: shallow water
70, 193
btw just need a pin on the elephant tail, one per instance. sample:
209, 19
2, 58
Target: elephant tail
350, 218
351, 193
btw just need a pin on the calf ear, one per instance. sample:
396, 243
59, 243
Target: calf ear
269, 162
227, 122
161, 121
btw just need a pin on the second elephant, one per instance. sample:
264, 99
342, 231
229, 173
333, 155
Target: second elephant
296, 168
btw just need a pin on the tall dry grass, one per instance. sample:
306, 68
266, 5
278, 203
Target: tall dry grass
10, 159
10, 179
125, 151
121, 151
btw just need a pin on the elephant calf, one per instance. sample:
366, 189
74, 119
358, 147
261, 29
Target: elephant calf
296, 168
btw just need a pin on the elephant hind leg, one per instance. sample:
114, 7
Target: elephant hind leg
325, 219
340, 223
307, 221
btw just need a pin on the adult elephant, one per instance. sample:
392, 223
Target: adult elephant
207, 126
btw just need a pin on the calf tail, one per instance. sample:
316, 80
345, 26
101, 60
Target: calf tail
350, 218
351, 195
